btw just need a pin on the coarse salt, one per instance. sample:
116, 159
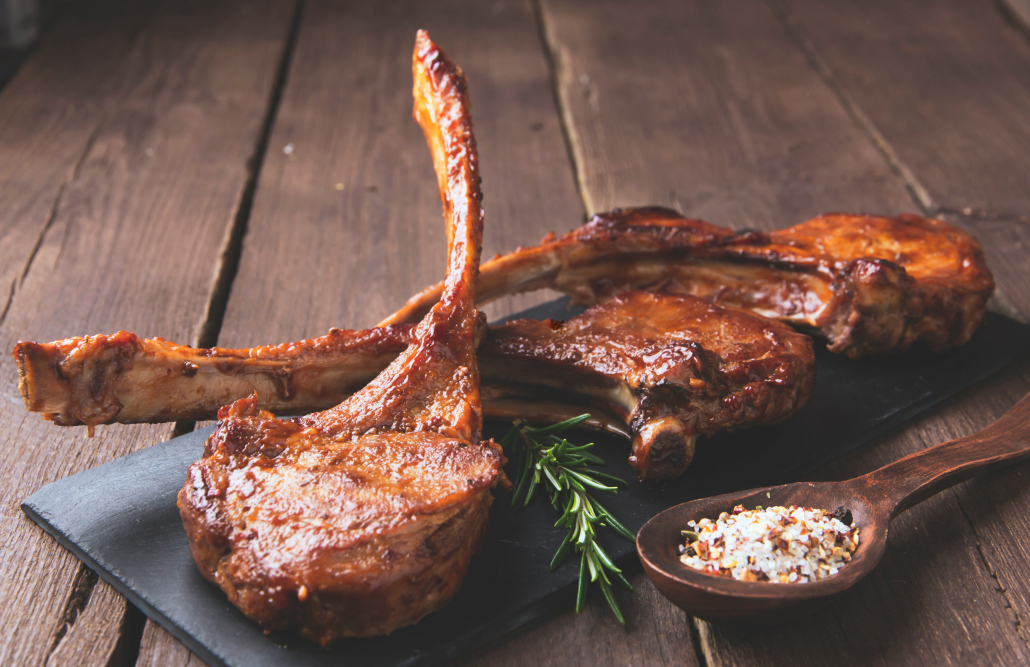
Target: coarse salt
775, 544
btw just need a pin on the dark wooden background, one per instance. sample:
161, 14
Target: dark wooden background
247, 172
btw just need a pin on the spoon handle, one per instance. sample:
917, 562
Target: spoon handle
913, 479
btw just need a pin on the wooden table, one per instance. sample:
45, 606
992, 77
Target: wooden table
248, 172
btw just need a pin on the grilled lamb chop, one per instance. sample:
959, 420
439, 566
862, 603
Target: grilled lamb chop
361, 519
867, 285
671, 366
656, 368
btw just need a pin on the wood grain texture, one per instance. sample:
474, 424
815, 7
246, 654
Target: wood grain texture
47, 114
135, 229
711, 109
620, 114
160, 649
347, 222
89, 639
1019, 11
947, 85
707, 107
656, 633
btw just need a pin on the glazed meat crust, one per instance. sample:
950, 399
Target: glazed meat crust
658, 369
671, 366
361, 519
868, 285
335, 537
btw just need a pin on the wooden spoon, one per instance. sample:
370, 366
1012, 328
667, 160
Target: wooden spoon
874, 499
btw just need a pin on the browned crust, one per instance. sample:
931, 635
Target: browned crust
379, 561
867, 284
672, 366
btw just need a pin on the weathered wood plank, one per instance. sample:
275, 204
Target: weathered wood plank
711, 109
346, 222
160, 649
656, 634
132, 225
48, 114
950, 97
633, 113
89, 640
947, 84
1018, 10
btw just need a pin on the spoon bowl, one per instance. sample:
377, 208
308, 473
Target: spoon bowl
728, 600
874, 500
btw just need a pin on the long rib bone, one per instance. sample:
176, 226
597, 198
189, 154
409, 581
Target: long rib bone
868, 285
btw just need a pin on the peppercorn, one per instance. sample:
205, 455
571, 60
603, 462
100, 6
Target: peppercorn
843, 514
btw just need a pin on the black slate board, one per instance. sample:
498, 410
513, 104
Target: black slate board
121, 520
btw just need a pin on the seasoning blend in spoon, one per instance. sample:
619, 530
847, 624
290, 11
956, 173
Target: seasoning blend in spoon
873, 500
784, 545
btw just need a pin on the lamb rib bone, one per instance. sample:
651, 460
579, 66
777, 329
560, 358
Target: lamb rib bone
658, 369
866, 284
363, 518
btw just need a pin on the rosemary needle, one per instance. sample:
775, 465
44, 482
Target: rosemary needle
548, 461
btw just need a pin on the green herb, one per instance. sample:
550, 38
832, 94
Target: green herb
548, 461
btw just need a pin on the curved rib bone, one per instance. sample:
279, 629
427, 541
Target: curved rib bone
868, 285
363, 518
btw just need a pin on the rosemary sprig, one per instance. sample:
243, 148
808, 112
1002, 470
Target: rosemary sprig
548, 461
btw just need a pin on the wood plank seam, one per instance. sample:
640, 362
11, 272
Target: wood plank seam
78, 597
993, 571
695, 639
562, 77
1017, 13
73, 174
130, 637
232, 247
564, 114
797, 34
919, 192
85, 612
920, 195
